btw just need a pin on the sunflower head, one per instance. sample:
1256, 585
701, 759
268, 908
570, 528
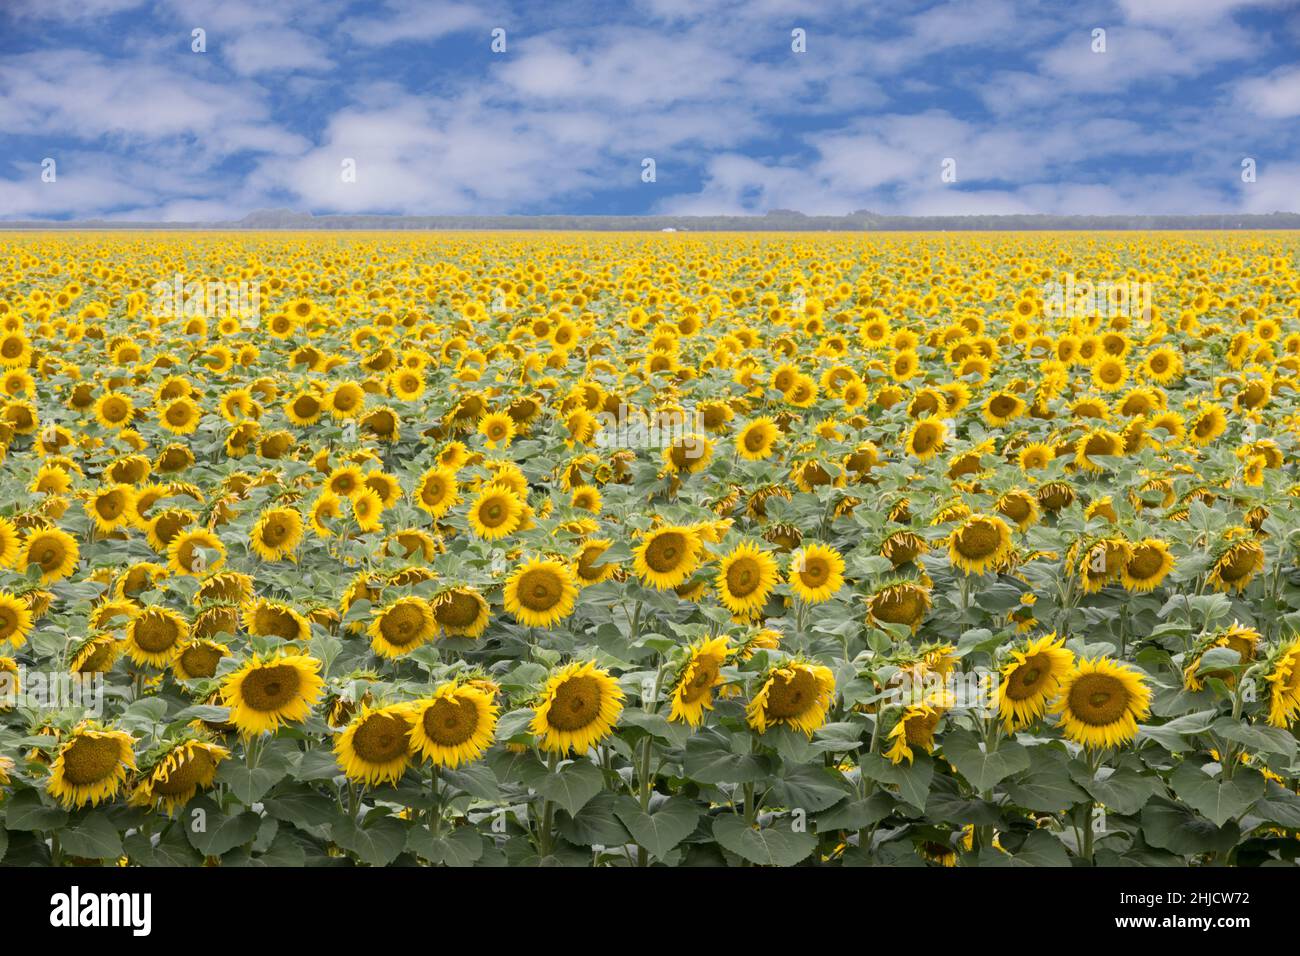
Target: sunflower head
579, 706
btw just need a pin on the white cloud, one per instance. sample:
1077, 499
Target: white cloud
271, 51
1276, 96
409, 20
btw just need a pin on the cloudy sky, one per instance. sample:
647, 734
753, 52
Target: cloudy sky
142, 127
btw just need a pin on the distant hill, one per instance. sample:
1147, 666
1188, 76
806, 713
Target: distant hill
779, 220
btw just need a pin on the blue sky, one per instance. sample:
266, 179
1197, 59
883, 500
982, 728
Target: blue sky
142, 127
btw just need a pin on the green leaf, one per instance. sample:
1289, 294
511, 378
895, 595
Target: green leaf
251, 784
172, 849
1124, 792
707, 762
809, 787
1273, 740
93, 837
596, 824
1046, 786
214, 833
459, 847
303, 807
26, 811
1174, 827
1279, 805
665, 826
914, 780
983, 770
378, 841
774, 846
317, 765
1041, 849
1173, 734
855, 814
572, 785
1217, 800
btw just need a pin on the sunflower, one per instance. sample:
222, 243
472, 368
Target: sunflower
179, 774
496, 513
155, 635
1283, 676
327, 507
981, 543
114, 410
797, 695
915, 728
91, 765
375, 747
667, 556
267, 618
1237, 638
579, 706
111, 508
461, 612
197, 659
453, 726
904, 603
757, 439
816, 573
588, 566
367, 509
180, 416
1018, 506
692, 694
745, 578
1031, 680
1147, 566
15, 619
1101, 702
402, 626
926, 438
269, 691
540, 592
1208, 424
53, 549
1035, 457
277, 533
96, 654
198, 553
1237, 565
9, 541
497, 429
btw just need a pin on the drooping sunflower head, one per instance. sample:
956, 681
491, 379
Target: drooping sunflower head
926, 438
798, 695
453, 726
375, 746
1148, 565
907, 603
1283, 677
178, 774
1236, 565
588, 566
269, 691
91, 765
267, 618
914, 729
461, 612
1101, 702
579, 706
155, 635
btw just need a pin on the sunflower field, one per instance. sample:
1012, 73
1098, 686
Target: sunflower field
643, 550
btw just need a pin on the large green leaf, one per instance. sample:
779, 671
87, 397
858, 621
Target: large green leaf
982, 770
774, 846
665, 826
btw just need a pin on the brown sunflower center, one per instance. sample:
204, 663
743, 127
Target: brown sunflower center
271, 687
1098, 700
450, 721
979, 539
540, 589
401, 624
1028, 679
381, 738
666, 551
200, 660
195, 768
744, 577
457, 609
155, 633
576, 703
89, 760
791, 695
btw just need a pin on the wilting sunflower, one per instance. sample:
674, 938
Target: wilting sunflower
579, 706
746, 577
455, 725
96, 654
816, 573
15, 619
1101, 703
269, 691
496, 513
1283, 676
402, 626
757, 439
588, 566
155, 635
196, 552
541, 592
1237, 565
53, 549
267, 618
178, 775
277, 533
667, 556
1031, 679
375, 746
980, 544
904, 603
797, 695
1237, 638
461, 612
1147, 566
91, 765
692, 695
915, 728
